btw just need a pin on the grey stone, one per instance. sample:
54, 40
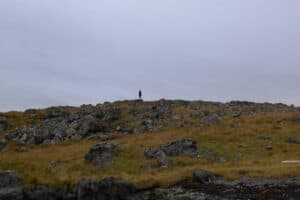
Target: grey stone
40, 193
269, 146
54, 164
208, 155
101, 153
212, 119
10, 179
159, 155
236, 114
89, 125
187, 147
106, 189
11, 193
204, 176
293, 140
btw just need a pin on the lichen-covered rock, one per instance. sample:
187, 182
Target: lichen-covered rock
101, 153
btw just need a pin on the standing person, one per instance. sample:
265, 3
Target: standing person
140, 94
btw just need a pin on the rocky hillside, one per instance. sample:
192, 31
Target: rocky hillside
151, 150
55, 124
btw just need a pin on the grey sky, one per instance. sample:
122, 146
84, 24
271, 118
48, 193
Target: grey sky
70, 52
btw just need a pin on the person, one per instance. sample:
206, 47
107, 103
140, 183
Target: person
140, 94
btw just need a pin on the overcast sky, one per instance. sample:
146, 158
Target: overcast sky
71, 52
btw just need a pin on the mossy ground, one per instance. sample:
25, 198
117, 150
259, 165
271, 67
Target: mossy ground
244, 151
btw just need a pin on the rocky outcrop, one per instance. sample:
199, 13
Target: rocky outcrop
57, 127
204, 187
106, 189
9, 179
57, 124
10, 186
101, 154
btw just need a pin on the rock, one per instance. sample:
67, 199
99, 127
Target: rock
187, 147
106, 137
159, 155
10, 186
89, 125
212, 119
40, 193
264, 137
9, 179
54, 164
21, 149
122, 129
112, 114
207, 155
24, 139
11, 193
101, 153
295, 119
2, 147
176, 116
3, 123
236, 114
204, 176
269, 146
106, 189
293, 140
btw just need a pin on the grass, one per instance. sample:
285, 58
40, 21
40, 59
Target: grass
244, 150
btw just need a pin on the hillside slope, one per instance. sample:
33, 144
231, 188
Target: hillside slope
235, 139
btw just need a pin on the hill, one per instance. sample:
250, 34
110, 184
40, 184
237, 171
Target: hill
237, 139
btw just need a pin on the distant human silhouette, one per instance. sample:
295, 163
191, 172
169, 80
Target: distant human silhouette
140, 94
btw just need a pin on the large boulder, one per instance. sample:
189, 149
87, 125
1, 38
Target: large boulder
101, 153
3, 123
106, 189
